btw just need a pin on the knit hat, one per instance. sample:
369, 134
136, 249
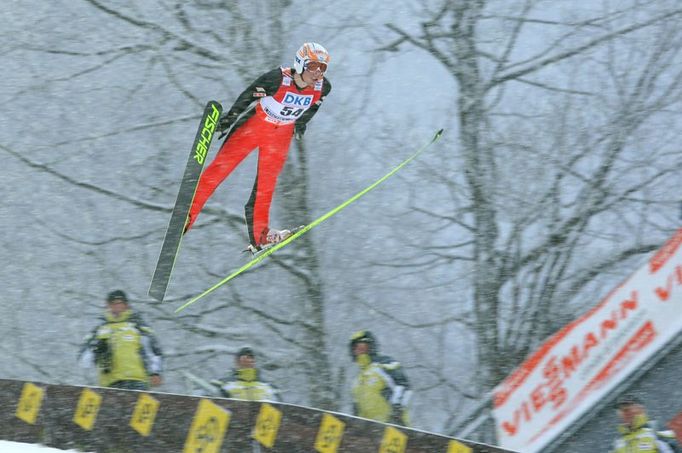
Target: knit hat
627, 400
246, 350
117, 295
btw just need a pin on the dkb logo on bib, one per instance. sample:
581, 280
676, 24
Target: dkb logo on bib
296, 100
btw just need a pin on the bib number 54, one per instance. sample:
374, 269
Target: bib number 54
288, 111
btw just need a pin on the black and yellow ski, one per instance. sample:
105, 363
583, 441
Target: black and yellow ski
183, 202
300, 232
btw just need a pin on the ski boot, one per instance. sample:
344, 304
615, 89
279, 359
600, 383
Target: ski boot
273, 238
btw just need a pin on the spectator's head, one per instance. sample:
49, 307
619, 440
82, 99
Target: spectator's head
245, 363
631, 410
363, 347
245, 358
117, 302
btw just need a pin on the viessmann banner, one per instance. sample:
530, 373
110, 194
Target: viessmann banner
580, 364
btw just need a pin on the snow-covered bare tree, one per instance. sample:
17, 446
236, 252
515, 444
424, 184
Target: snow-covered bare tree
557, 164
163, 60
557, 177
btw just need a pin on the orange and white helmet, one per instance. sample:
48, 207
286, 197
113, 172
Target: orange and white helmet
311, 52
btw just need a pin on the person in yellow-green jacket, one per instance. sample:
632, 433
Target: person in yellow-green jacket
123, 348
638, 433
244, 381
381, 390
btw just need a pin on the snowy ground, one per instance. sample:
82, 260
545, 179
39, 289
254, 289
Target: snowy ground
16, 447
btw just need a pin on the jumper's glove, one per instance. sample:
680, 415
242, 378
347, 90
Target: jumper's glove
300, 131
396, 414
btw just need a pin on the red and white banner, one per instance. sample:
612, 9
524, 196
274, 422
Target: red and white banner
586, 359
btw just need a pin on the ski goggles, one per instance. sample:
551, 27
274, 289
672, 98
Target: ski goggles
313, 66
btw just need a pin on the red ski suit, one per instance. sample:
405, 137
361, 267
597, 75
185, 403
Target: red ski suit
267, 124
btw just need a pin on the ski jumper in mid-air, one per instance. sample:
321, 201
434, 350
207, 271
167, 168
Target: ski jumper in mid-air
274, 108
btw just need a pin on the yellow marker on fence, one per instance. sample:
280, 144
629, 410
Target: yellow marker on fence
86, 411
144, 414
394, 441
458, 447
329, 435
29, 403
208, 428
267, 425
